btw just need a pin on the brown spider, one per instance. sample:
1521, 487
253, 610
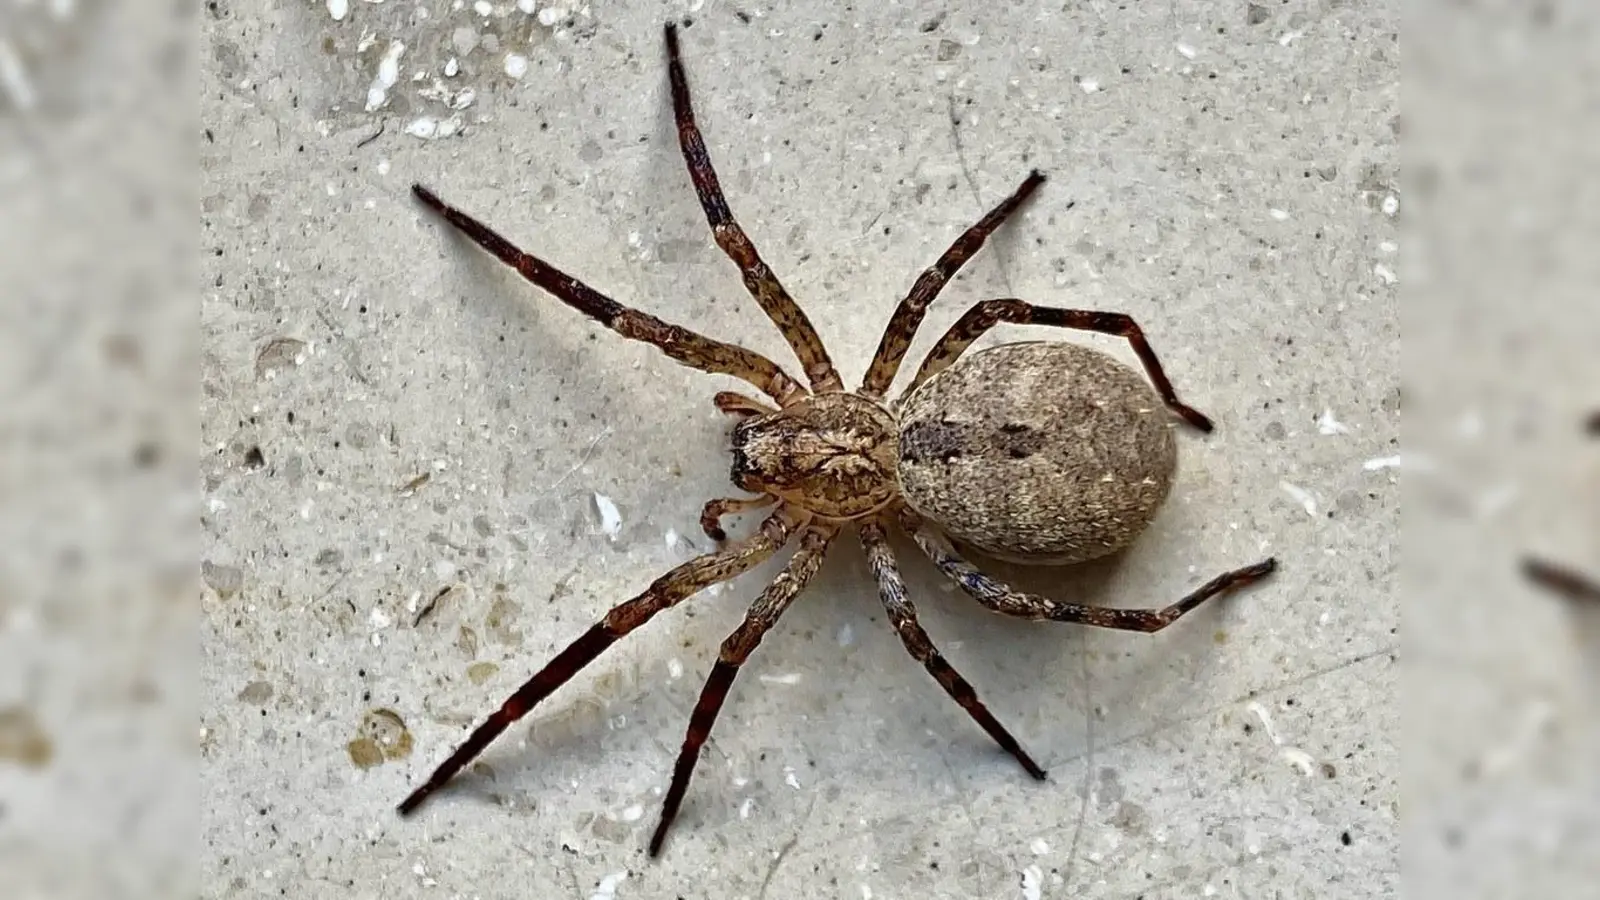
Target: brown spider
1036, 452
1565, 581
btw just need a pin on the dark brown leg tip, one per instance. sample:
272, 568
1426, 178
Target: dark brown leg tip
427, 196
1264, 568
658, 839
1198, 419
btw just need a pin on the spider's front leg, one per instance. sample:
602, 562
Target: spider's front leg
665, 592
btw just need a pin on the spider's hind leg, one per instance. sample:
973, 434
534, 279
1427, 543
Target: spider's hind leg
903, 616
980, 318
1001, 598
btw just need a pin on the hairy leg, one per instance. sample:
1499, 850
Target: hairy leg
711, 515
758, 277
687, 347
903, 616
908, 316
664, 593
737, 404
735, 650
1002, 599
984, 316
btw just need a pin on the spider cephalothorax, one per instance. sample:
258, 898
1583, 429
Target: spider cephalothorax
1041, 453
832, 455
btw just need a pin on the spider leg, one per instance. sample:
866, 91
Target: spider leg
664, 593
737, 404
1562, 580
711, 515
907, 317
903, 616
1003, 599
984, 316
735, 650
758, 277
687, 347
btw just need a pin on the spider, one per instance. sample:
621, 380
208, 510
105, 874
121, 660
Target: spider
1558, 578
1039, 452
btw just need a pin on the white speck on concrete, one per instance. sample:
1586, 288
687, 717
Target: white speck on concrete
1381, 462
745, 806
379, 618
550, 16
388, 74
789, 777
610, 518
1301, 496
516, 65
1089, 85
607, 889
429, 128
1391, 205
847, 635
527, 6
1388, 247
1039, 846
1294, 755
451, 67
1327, 424
787, 678
445, 569
1289, 37
674, 668
1282, 215
1032, 883
866, 892
338, 9
483, 8
633, 813
383, 167
1187, 51
1385, 274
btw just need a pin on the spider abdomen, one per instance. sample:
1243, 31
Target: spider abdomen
1040, 452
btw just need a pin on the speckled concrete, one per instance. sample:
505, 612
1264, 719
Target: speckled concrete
1226, 173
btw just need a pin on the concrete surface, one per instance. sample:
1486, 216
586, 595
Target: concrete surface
1226, 173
